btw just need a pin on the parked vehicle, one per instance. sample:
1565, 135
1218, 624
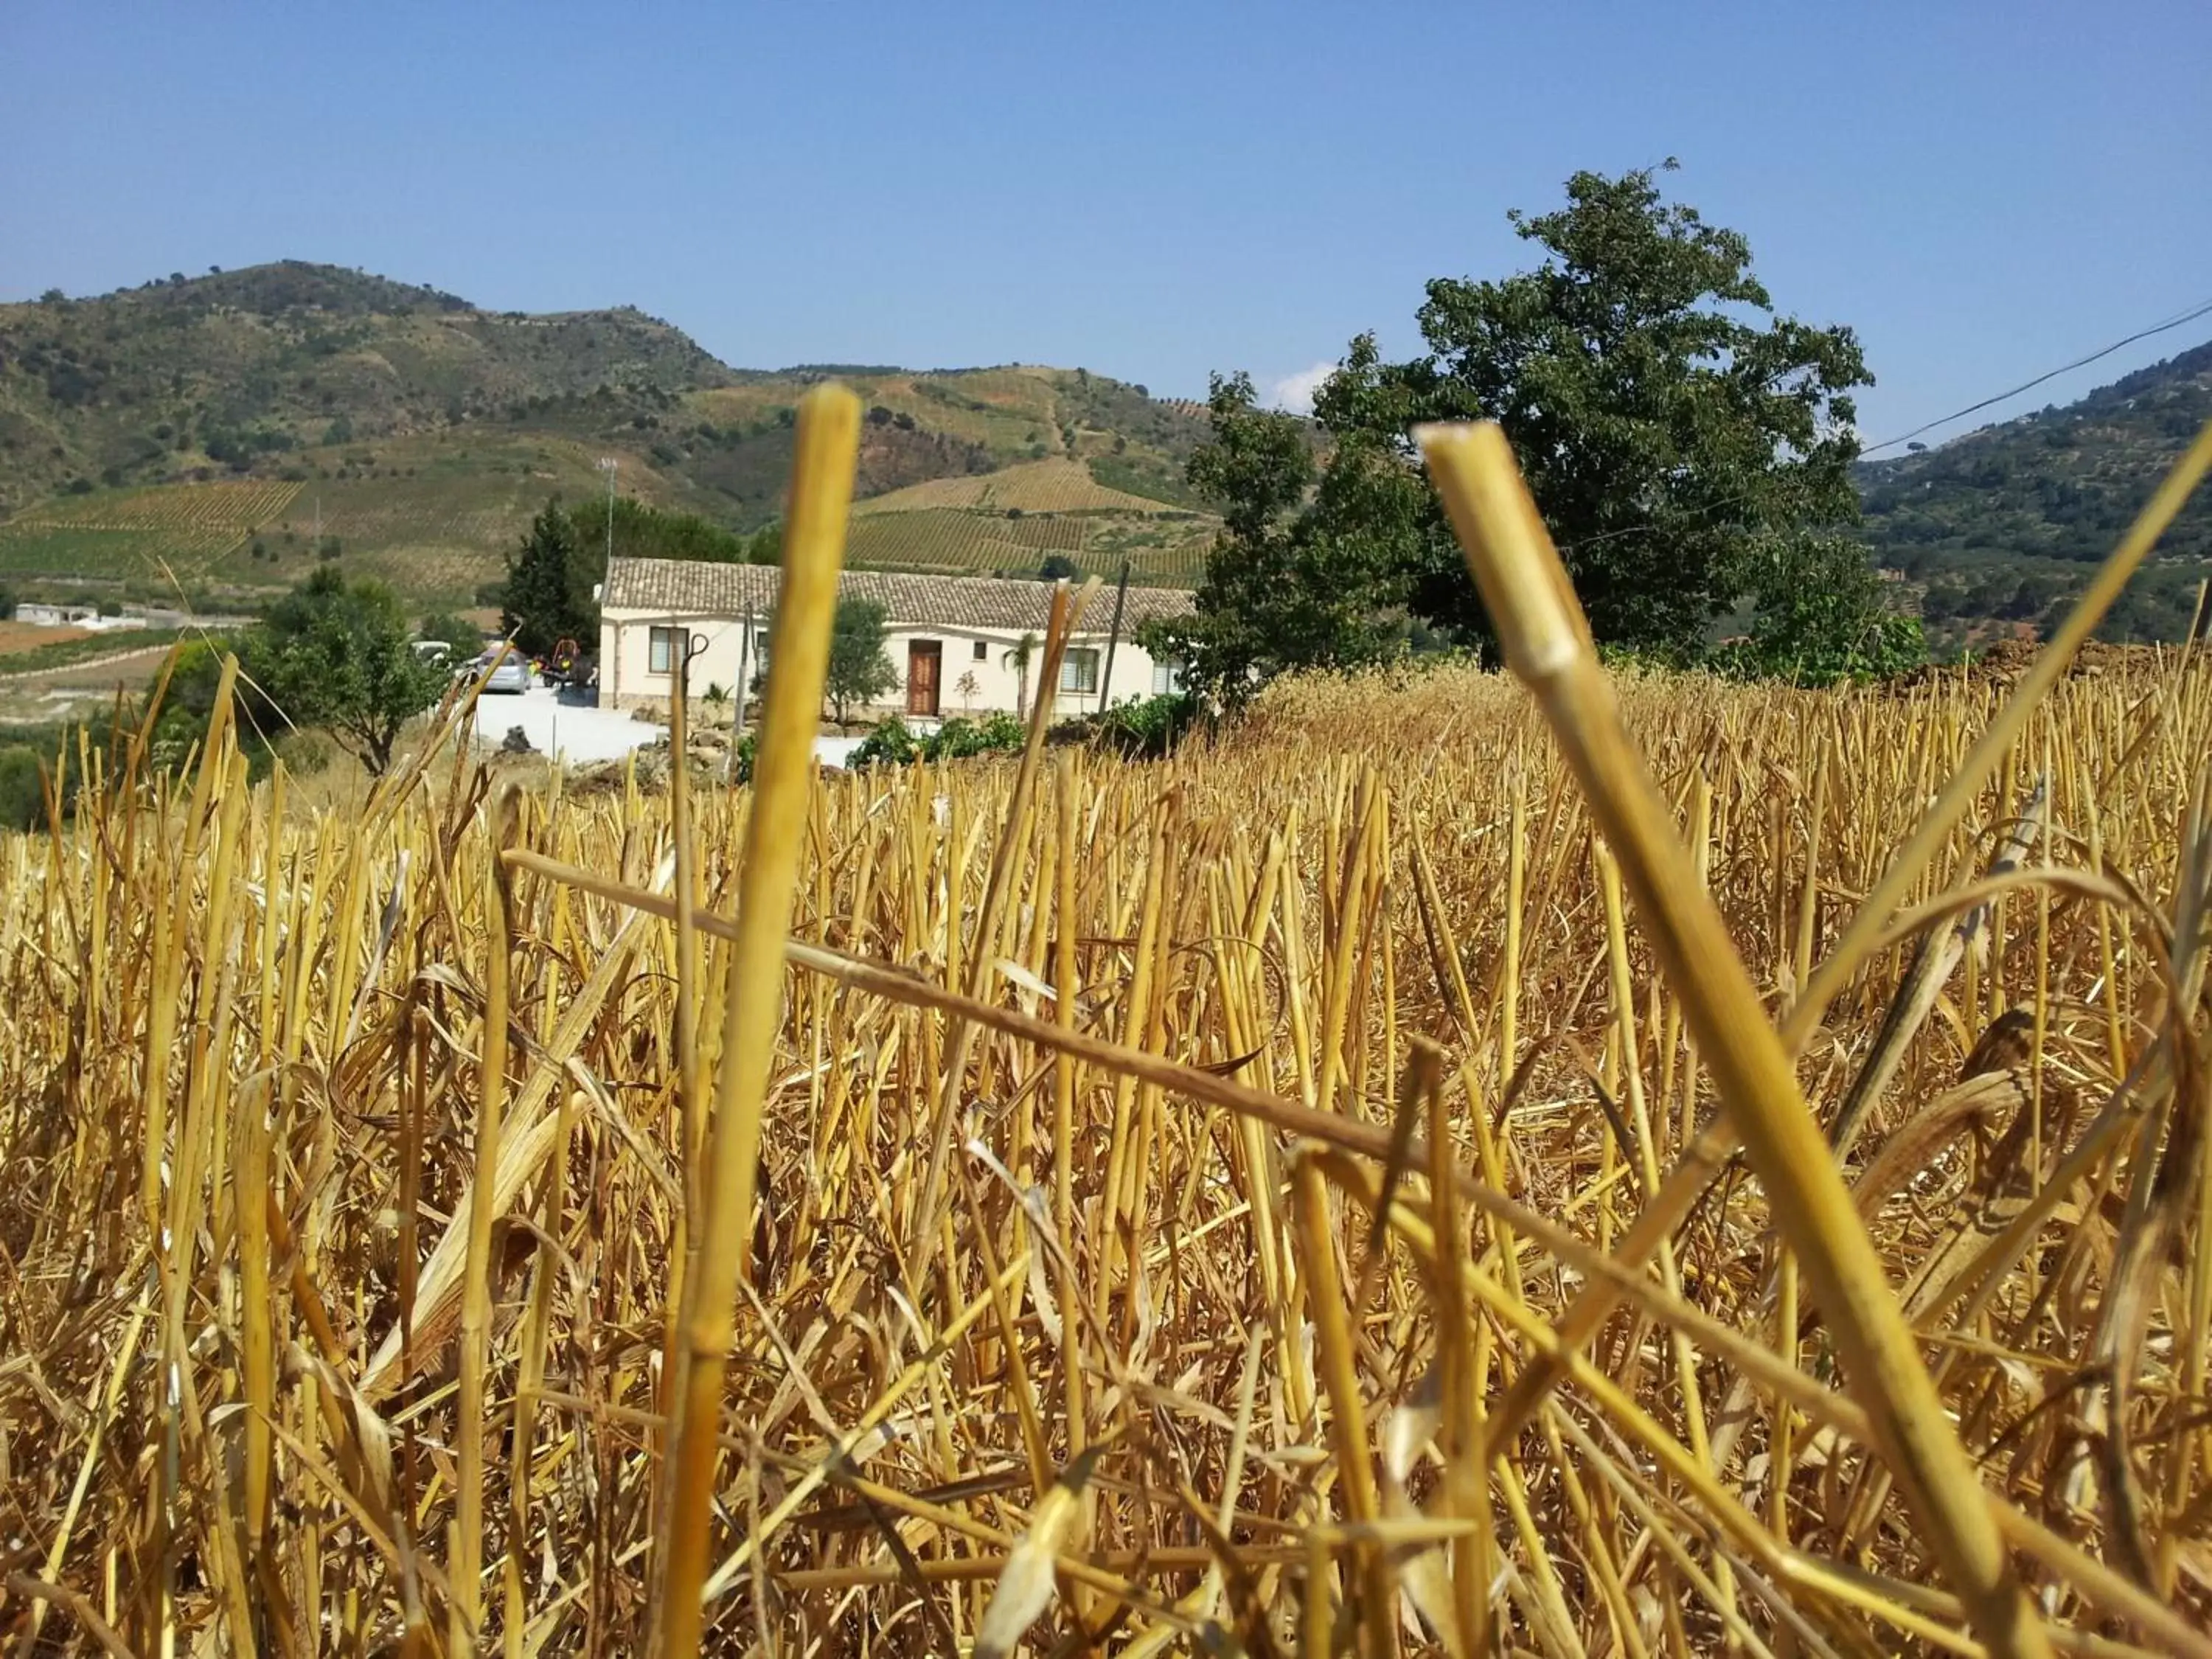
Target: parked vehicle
509, 669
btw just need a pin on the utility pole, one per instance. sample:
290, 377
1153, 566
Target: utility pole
744, 680
1114, 636
607, 464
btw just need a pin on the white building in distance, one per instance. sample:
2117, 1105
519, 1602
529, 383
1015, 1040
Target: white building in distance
955, 642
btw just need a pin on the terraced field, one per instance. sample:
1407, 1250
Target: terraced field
436, 513
434, 519
1007, 410
1053, 485
1169, 550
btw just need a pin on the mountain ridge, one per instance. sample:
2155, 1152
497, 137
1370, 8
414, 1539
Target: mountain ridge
416, 433
1999, 528
423, 429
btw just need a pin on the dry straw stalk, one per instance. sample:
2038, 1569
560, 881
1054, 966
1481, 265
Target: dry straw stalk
813, 556
1525, 588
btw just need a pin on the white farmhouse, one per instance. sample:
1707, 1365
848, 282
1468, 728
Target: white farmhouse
960, 645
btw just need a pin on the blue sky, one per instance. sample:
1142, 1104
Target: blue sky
1152, 192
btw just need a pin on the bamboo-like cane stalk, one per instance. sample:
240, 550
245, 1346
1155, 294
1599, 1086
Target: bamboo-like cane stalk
813, 554
1548, 644
1683, 1187
464, 1620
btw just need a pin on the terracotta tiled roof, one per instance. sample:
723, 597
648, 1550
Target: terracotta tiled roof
687, 587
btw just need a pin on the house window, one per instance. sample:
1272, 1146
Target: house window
1167, 675
1079, 671
981, 651
662, 648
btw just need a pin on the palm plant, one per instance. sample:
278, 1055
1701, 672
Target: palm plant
1017, 657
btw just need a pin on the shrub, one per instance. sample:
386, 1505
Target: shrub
890, 744
1001, 731
305, 753
1145, 730
960, 737
23, 795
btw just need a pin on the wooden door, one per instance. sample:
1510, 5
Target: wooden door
923, 659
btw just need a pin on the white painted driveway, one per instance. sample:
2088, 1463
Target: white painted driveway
583, 734
555, 726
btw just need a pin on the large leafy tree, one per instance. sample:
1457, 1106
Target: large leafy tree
1682, 440
1670, 424
641, 531
340, 654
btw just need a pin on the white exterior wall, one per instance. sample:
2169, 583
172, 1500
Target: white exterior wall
627, 680
626, 676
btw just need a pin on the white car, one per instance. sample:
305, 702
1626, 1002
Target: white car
510, 669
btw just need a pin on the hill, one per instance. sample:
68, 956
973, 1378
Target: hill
2001, 528
209, 433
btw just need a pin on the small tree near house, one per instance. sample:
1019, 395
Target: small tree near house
1017, 657
339, 654
860, 668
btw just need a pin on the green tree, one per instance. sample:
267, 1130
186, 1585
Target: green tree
1672, 426
22, 788
1298, 577
1017, 657
860, 668
1821, 616
1681, 439
647, 533
188, 701
548, 597
340, 654
461, 636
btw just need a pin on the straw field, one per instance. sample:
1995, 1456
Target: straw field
1173, 1183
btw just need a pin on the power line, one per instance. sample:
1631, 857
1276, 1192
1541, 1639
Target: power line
2174, 322
2202, 309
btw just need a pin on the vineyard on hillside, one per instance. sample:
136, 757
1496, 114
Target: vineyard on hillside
1054, 485
185, 526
